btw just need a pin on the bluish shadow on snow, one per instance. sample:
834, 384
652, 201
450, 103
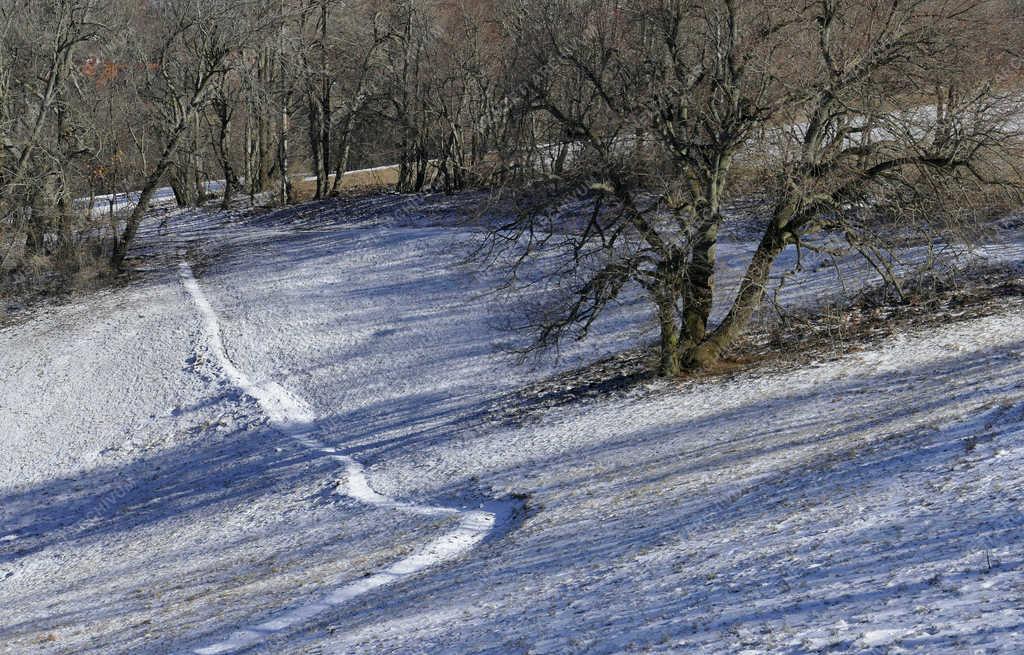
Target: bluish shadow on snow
588, 592
239, 468
703, 589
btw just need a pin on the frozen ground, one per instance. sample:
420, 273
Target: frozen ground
227, 463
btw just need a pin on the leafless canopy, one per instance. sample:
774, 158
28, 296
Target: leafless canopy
655, 116
614, 135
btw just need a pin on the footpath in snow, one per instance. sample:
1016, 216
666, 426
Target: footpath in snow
293, 417
208, 460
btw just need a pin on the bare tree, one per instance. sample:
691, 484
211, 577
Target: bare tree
359, 81
195, 44
43, 38
225, 104
613, 134
901, 116
673, 108
655, 103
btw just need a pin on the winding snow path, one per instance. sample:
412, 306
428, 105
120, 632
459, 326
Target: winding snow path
293, 417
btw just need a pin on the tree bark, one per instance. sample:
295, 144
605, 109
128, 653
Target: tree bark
60, 65
323, 171
315, 133
145, 195
699, 283
341, 165
153, 179
669, 362
751, 292
285, 189
224, 151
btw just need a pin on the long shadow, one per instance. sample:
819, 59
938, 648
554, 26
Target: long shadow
246, 465
222, 475
421, 420
243, 464
838, 576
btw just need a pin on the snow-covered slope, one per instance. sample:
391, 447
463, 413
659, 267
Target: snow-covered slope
153, 500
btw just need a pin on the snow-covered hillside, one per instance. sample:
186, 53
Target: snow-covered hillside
306, 439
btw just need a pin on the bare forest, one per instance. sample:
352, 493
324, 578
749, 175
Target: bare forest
509, 327
611, 135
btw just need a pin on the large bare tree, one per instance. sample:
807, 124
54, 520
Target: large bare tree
673, 109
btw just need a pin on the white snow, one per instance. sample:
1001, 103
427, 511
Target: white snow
874, 638
292, 416
299, 443
109, 203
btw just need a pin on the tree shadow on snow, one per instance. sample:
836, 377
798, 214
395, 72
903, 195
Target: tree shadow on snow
809, 564
671, 487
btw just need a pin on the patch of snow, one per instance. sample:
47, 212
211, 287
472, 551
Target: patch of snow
159, 508
873, 638
292, 416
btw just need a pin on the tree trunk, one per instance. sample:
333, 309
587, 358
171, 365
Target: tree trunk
146, 194
751, 292
341, 166
132, 225
560, 157
59, 67
285, 190
258, 131
315, 116
324, 171
422, 163
699, 282
224, 150
324, 114
183, 185
196, 165
250, 164
669, 364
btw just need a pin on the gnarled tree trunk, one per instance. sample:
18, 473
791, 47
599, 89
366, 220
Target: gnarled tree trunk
747, 300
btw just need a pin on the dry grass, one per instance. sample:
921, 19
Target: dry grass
366, 180
72, 268
774, 344
877, 313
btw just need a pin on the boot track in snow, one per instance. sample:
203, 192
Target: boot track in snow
293, 417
